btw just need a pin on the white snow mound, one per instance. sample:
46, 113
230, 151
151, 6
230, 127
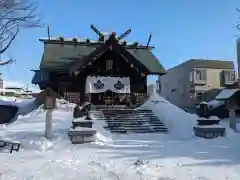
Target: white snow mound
179, 122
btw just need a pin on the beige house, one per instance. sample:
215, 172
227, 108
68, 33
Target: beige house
195, 81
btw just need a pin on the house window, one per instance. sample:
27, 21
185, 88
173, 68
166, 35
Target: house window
201, 75
229, 76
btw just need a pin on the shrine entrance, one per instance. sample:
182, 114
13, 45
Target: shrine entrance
107, 90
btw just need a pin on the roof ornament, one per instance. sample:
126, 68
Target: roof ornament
48, 32
124, 34
149, 39
75, 40
103, 37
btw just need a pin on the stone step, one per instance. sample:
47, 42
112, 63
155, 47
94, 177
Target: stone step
126, 122
135, 123
145, 131
144, 110
154, 120
135, 128
124, 115
129, 126
130, 121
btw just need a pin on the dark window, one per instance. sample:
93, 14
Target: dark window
229, 76
201, 75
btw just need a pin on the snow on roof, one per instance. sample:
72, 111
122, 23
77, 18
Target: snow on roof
226, 94
9, 90
213, 104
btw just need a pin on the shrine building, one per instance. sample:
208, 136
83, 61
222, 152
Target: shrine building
106, 71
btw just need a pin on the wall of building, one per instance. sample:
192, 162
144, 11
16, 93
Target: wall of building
214, 84
174, 86
179, 88
214, 80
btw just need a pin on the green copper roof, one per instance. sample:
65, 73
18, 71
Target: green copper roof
57, 56
60, 57
148, 59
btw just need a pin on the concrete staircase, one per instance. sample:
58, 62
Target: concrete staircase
130, 120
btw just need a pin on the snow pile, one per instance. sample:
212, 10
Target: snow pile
30, 112
179, 122
25, 106
128, 156
102, 134
65, 105
29, 130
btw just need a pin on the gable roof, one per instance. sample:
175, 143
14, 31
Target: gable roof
148, 59
56, 56
62, 56
208, 64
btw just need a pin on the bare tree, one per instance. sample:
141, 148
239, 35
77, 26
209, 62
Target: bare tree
15, 15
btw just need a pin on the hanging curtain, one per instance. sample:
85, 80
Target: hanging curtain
103, 84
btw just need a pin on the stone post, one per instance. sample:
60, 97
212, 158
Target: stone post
232, 119
48, 124
49, 105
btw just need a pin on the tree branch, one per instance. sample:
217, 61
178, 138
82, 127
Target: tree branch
6, 62
9, 42
14, 16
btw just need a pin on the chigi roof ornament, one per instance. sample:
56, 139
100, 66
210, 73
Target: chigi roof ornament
106, 36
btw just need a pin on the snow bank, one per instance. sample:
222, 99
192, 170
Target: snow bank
9, 103
26, 106
179, 122
29, 130
102, 134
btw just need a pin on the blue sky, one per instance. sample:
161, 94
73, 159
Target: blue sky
182, 29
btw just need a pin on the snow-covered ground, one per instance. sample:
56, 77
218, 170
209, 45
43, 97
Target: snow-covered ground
178, 155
